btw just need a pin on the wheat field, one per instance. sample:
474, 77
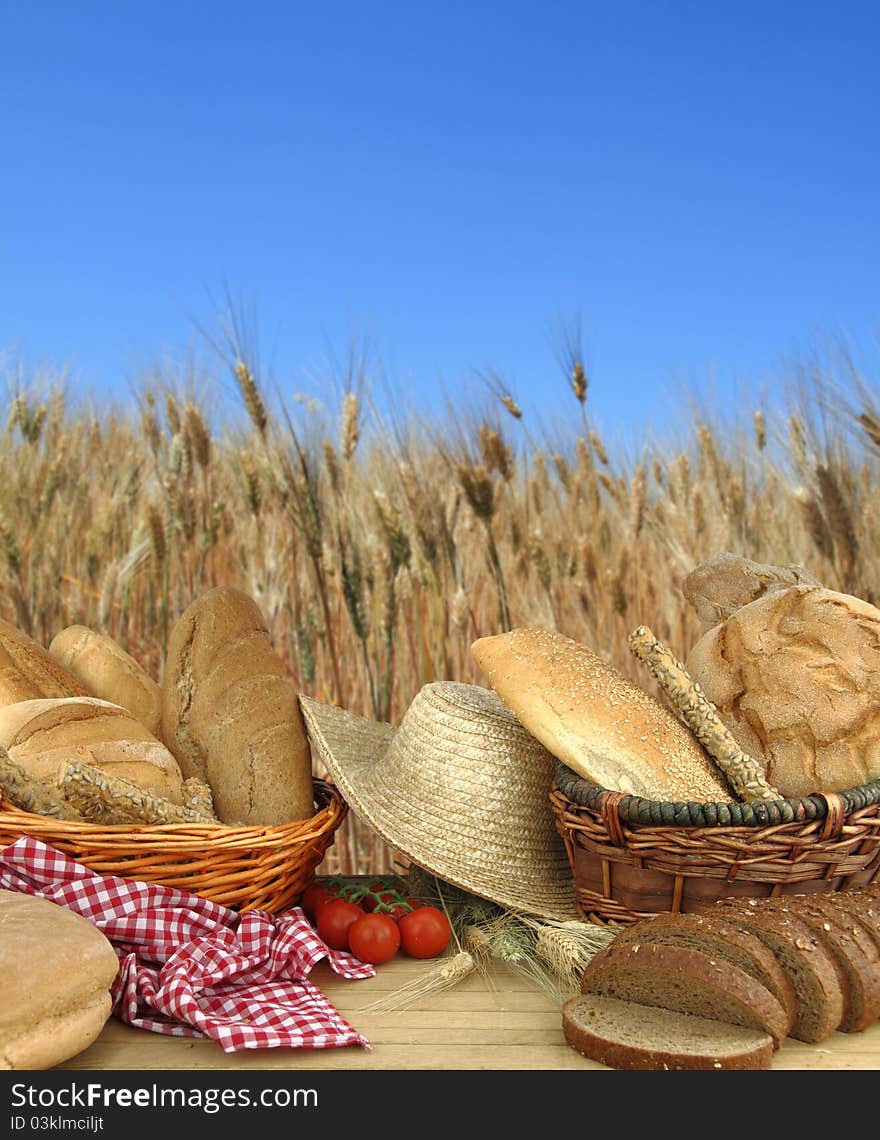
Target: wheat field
379, 550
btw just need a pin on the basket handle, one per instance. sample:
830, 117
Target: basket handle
835, 815
609, 809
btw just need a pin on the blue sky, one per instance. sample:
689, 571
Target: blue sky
452, 183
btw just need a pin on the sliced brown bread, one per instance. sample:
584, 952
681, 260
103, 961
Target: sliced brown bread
813, 972
711, 935
687, 981
825, 932
856, 953
860, 903
627, 1035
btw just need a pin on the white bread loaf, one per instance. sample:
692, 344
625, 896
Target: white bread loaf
795, 676
44, 735
596, 721
110, 673
231, 715
56, 971
28, 672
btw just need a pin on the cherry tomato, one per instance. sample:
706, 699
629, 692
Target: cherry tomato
334, 920
374, 938
425, 932
314, 897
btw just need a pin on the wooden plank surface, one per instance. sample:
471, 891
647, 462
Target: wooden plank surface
494, 1020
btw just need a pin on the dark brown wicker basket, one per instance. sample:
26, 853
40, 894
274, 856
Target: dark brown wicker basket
631, 857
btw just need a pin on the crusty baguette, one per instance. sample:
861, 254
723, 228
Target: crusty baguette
591, 717
56, 971
107, 671
231, 714
42, 735
628, 1035
28, 672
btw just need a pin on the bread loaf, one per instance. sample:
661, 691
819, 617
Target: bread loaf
28, 672
711, 935
795, 677
56, 972
813, 972
591, 717
723, 584
44, 735
231, 715
687, 981
110, 673
628, 1035
850, 947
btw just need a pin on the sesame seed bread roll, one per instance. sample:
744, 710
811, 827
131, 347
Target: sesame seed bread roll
231, 714
28, 671
593, 719
109, 672
43, 736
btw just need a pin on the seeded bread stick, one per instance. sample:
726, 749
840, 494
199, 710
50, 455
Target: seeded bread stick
197, 797
107, 799
30, 794
745, 773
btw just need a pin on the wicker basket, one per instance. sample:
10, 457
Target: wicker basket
244, 868
631, 857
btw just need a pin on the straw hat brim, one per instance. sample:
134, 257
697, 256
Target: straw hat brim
466, 805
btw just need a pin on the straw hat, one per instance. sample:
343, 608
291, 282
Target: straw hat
460, 788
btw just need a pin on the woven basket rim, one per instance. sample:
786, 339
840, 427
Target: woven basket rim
757, 813
329, 800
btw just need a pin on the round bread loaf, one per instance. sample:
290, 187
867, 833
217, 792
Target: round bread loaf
231, 714
587, 714
44, 735
722, 584
795, 676
28, 671
110, 673
56, 971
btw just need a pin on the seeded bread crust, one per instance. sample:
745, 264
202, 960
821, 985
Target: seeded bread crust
42, 736
813, 972
687, 981
627, 1035
587, 714
854, 951
859, 903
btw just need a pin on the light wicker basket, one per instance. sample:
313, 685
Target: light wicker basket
244, 868
632, 858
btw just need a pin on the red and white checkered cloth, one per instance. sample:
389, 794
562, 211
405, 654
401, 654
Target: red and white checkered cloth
192, 968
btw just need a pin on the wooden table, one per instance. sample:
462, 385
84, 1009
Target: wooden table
492, 1019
